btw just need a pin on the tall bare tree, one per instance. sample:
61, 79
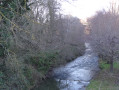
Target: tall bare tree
105, 35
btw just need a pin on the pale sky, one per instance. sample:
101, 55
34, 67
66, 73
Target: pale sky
85, 8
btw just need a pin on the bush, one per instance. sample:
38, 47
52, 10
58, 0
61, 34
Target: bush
42, 61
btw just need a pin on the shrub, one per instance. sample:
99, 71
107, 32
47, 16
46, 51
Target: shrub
42, 61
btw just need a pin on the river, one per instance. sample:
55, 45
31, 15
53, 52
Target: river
75, 75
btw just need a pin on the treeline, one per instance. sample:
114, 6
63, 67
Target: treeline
104, 32
34, 38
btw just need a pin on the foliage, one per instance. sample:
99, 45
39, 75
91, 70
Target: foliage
31, 44
14, 5
42, 61
9, 9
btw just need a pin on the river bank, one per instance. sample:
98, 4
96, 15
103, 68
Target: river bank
105, 80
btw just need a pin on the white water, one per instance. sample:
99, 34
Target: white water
77, 74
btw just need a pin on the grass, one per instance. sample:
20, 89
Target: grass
104, 65
105, 80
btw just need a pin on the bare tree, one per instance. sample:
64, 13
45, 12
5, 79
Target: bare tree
105, 35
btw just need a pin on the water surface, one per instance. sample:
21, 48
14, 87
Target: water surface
75, 75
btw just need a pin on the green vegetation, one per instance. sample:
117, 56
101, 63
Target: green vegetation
43, 62
28, 73
105, 80
104, 65
33, 43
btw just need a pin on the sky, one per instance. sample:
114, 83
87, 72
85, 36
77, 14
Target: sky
85, 8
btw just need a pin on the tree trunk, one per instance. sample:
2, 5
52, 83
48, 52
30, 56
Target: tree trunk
111, 65
112, 55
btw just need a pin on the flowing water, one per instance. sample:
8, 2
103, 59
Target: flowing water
75, 75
